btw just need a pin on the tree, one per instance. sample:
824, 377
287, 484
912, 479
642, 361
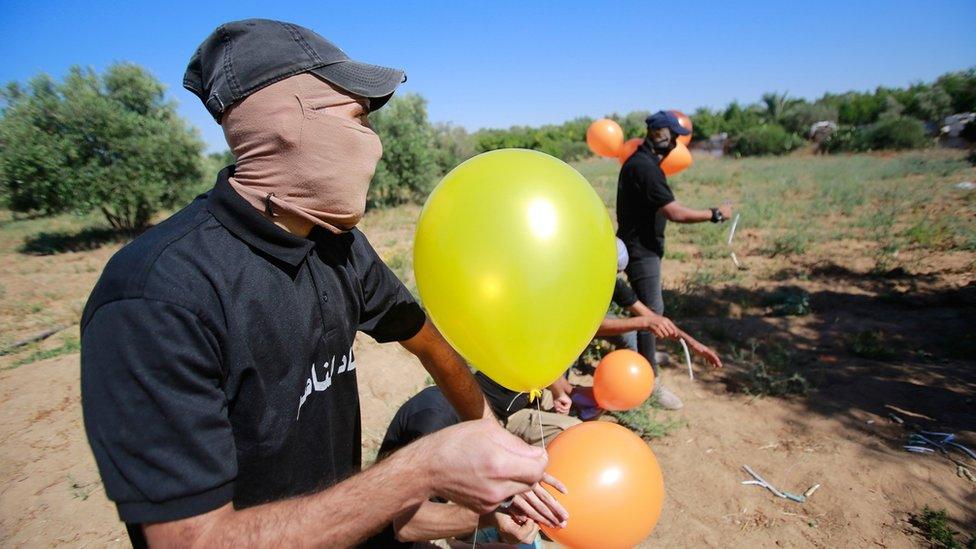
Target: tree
453, 145
408, 168
109, 142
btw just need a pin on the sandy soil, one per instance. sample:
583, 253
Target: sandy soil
840, 437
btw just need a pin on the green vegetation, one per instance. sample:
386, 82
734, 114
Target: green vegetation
770, 373
108, 142
645, 420
69, 345
766, 139
934, 526
871, 344
409, 166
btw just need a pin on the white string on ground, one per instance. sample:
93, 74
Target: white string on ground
735, 223
691, 373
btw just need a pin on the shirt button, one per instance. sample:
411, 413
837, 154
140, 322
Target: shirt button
325, 296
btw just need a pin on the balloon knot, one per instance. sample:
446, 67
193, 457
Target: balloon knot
534, 394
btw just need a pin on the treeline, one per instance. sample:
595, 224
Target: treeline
417, 153
886, 118
111, 142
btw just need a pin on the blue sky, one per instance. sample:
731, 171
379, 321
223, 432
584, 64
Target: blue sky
495, 64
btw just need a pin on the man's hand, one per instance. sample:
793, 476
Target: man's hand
707, 353
561, 401
538, 504
726, 209
478, 464
513, 531
660, 326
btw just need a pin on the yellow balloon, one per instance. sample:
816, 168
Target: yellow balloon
515, 262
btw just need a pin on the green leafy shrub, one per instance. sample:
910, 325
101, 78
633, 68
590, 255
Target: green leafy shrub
892, 133
934, 526
408, 169
766, 140
106, 142
888, 133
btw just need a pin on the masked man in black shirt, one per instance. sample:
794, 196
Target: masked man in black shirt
645, 204
218, 377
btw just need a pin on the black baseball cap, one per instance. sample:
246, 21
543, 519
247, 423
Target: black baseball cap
241, 57
665, 119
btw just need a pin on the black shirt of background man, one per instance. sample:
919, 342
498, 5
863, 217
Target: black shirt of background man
642, 190
217, 362
623, 294
424, 413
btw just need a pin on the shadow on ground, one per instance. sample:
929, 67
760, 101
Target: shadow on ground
50, 243
866, 347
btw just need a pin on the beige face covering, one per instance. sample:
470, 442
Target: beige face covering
303, 151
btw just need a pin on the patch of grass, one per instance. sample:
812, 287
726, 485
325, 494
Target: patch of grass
930, 234
795, 240
69, 345
871, 344
789, 303
934, 526
646, 421
772, 373
678, 255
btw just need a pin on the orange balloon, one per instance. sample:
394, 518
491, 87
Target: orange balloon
685, 122
629, 147
615, 486
677, 160
623, 380
605, 137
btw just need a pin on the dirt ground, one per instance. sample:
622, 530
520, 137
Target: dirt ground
840, 434
840, 437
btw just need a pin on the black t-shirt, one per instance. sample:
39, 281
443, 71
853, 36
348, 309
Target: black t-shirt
217, 362
623, 294
424, 413
642, 190
503, 402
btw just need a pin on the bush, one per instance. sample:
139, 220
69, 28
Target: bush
896, 132
107, 142
888, 133
408, 169
453, 146
799, 117
764, 140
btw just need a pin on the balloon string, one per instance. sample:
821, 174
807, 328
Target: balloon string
542, 434
474, 540
513, 402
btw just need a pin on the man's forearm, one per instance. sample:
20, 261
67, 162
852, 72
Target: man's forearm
340, 516
431, 520
450, 372
617, 326
679, 213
